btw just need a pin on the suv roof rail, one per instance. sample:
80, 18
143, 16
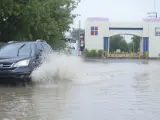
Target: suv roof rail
40, 40
12, 41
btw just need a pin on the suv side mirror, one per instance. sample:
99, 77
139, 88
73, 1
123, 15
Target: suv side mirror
38, 53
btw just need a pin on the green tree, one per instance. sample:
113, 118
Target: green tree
130, 46
36, 19
117, 42
124, 46
136, 43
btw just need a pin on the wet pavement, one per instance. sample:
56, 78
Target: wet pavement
114, 90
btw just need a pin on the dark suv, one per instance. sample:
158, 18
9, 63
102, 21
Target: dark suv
19, 59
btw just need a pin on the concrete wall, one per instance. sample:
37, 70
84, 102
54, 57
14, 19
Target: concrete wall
146, 28
129, 25
96, 42
154, 41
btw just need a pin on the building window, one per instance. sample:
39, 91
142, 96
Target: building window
157, 31
94, 30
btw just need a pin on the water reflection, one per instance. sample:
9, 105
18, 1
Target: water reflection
16, 103
131, 92
51, 101
146, 104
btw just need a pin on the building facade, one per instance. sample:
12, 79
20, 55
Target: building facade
99, 30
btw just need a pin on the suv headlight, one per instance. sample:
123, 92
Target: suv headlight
22, 63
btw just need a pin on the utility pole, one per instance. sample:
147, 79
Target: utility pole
154, 5
153, 14
155, 8
79, 33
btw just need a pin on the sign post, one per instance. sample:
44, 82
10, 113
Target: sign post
82, 43
152, 14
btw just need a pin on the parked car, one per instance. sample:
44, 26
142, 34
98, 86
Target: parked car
19, 59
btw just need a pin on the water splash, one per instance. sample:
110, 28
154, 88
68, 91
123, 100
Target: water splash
58, 67
61, 67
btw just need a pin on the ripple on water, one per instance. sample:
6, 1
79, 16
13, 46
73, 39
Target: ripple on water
123, 91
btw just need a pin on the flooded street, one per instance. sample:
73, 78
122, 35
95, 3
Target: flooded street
110, 90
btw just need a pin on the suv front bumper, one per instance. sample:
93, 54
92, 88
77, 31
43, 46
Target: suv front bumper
21, 73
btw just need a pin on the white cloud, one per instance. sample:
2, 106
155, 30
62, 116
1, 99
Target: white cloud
115, 10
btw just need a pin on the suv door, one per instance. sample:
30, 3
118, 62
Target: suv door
47, 48
39, 47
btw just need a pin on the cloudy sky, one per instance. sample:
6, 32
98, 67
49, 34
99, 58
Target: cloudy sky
115, 10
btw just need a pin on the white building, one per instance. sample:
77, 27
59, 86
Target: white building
99, 30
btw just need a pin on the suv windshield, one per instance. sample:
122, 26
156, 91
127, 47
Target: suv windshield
16, 49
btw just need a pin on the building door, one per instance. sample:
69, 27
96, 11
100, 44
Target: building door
145, 44
105, 43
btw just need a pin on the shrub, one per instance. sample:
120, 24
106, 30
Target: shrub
93, 53
106, 54
85, 52
146, 54
100, 52
90, 53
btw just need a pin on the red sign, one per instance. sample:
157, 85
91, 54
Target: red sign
81, 36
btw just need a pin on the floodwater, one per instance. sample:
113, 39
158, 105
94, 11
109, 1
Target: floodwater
102, 90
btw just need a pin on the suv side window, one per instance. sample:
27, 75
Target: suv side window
46, 48
49, 47
39, 46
